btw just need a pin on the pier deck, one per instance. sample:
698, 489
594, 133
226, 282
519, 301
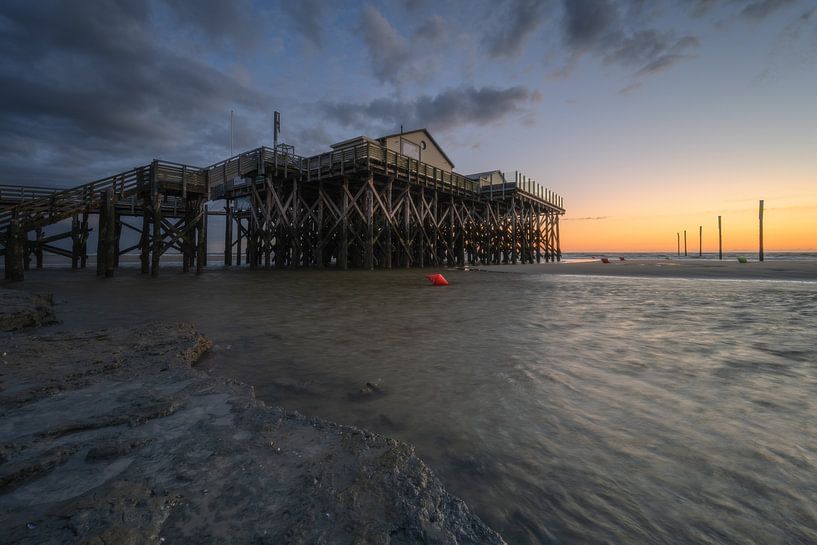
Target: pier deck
362, 206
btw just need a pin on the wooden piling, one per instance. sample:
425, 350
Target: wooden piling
720, 240
111, 232
75, 242
38, 249
760, 217
700, 241
14, 270
685, 243
678, 234
144, 241
157, 239
368, 259
228, 235
201, 235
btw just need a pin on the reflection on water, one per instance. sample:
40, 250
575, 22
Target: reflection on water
562, 409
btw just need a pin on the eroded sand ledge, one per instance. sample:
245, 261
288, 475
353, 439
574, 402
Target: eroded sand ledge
112, 437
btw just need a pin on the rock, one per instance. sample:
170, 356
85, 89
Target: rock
98, 445
19, 309
370, 390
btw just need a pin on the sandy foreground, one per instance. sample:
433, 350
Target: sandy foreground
727, 269
112, 436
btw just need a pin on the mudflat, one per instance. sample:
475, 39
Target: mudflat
112, 436
681, 268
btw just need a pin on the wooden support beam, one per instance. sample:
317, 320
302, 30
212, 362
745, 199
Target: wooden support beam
201, 235
156, 251
111, 231
15, 249
343, 250
228, 235
38, 249
368, 256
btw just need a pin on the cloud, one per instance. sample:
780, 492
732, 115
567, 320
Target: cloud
760, 9
223, 20
751, 9
389, 51
597, 27
518, 20
93, 95
447, 110
307, 15
588, 218
433, 30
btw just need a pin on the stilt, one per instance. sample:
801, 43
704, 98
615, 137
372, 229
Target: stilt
228, 235
75, 249
201, 235
368, 260
14, 253
38, 251
156, 251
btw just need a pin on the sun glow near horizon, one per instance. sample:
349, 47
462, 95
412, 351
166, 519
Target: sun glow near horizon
789, 228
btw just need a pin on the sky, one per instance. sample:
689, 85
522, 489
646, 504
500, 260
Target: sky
648, 116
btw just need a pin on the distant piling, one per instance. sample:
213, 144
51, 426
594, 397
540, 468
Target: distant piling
679, 243
720, 240
700, 241
685, 242
760, 217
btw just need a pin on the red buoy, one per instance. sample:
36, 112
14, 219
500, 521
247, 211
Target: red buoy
437, 279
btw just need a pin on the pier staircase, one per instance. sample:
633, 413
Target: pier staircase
160, 189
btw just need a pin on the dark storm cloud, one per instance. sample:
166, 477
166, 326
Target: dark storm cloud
752, 9
447, 110
390, 52
603, 28
225, 20
517, 20
307, 15
432, 29
760, 9
95, 89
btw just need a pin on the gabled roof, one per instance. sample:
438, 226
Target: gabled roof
447, 158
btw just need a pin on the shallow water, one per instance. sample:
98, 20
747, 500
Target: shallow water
562, 409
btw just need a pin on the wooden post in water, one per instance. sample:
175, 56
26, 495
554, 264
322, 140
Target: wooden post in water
75, 242
760, 217
228, 235
700, 241
14, 252
720, 240
38, 251
685, 242
678, 234
110, 233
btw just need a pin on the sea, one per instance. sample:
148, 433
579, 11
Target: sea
562, 409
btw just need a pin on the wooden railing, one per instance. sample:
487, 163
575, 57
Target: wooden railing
499, 191
15, 194
63, 204
387, 162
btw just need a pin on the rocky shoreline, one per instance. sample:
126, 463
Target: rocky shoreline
114, 437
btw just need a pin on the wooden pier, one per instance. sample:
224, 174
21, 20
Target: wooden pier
362, 206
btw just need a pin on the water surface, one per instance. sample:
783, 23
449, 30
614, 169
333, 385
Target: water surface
562, 409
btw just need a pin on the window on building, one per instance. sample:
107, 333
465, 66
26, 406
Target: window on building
410, 149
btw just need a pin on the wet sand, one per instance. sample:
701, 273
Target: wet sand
111, 436
671, 268
562, 406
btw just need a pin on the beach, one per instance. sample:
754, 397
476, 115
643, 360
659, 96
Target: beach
112, 436
563, 402
779, 269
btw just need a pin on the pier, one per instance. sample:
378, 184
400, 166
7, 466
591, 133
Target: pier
362, 205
